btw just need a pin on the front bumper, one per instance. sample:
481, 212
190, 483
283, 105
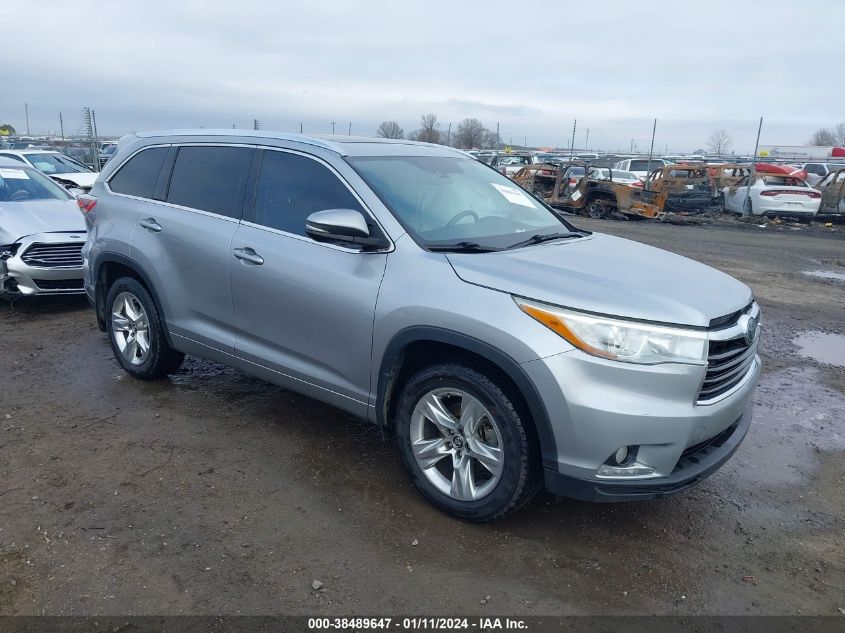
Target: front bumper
695, 464
17, 277
597, 406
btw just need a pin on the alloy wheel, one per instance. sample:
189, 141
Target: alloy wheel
457, 444
130, 328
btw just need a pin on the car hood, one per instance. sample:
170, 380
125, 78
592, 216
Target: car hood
82, 179
609, 275
19, 219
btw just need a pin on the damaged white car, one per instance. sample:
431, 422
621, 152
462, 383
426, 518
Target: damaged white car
41, 234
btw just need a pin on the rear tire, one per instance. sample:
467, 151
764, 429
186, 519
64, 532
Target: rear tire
464, 443
135, 332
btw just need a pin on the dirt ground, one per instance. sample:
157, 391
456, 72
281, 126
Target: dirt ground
213, 492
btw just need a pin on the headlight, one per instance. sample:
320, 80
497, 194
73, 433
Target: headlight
618, 339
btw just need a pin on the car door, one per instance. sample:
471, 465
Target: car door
304, 309
183, 241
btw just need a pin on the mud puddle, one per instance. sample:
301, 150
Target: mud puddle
796, 418
822, 347
825, 274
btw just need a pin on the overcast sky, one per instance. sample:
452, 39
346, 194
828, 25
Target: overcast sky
531, 65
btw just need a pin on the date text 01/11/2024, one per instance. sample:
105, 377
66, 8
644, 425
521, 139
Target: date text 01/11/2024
417, 623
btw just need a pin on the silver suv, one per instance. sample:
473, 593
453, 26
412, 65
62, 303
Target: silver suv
413, 286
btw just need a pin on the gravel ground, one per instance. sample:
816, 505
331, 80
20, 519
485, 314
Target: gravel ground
213, 492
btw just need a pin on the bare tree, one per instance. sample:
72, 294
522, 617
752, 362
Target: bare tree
839, 131
719, 142
390, 129
823, 137
429, 131
470, 134
490, 139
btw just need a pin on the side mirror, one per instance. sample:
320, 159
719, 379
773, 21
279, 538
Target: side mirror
342, 225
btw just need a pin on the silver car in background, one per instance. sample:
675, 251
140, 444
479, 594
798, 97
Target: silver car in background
418, 288
41, 234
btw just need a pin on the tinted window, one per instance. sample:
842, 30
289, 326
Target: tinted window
643, 165
13, 157
292, 187
210, 178
138, 176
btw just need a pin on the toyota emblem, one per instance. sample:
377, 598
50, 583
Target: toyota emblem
749, 324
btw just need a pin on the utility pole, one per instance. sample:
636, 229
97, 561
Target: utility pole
91, 131
62, 129
753, 175
650, 151
587, 140
333, 127
350, 128
256, 124
572, 143
300, 127
26, 108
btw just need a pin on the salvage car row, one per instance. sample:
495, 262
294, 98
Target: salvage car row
626, 189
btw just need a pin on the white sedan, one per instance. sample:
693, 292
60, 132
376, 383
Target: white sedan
784, 196
617, 175
59, 167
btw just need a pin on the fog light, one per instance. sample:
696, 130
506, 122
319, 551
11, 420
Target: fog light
635, 470
621, 455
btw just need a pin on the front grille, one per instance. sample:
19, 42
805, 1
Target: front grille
60, 255
728, 362
59, 284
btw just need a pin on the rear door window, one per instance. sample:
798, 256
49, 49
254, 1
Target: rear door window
211, 178
138, 176
291, 187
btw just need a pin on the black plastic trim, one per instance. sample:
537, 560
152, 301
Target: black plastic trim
537, 409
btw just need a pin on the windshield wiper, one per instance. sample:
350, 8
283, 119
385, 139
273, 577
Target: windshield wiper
547, 237
461, 247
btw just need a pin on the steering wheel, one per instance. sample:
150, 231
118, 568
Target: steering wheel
463, 214
20, 194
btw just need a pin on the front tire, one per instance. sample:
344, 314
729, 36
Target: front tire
136, 334
464, 443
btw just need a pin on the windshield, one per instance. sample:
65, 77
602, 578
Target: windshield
444, 200
21, 184
642, 165
55, 164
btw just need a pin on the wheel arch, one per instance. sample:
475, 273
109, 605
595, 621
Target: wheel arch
440, 344
109, 267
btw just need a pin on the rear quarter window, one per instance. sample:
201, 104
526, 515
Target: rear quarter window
137, 177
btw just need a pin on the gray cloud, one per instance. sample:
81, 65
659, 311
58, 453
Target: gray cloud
613, 65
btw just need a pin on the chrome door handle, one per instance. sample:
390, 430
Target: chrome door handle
151, 224
248, 255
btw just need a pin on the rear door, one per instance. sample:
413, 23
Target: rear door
304, 309
183, 240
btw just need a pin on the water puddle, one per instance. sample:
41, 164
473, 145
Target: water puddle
822, 347
825, 274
